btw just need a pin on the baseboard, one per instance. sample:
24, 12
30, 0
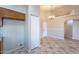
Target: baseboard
43, 37
29, 50
61, 38
9, 51
76, 39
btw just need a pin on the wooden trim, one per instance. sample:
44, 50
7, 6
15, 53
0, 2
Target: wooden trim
11, 14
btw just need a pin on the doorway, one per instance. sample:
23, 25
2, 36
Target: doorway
68, 26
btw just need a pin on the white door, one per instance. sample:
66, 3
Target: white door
35, 32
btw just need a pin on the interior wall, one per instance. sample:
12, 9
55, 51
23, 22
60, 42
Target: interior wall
13, 31
76, 30
55, 28
44, 29
35, 12
75, 34
43, 23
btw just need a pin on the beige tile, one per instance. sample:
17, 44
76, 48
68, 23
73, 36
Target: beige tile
54, 46
57, 46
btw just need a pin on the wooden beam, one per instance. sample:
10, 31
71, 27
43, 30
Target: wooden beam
11, 14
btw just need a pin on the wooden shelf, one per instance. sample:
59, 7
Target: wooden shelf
11, 14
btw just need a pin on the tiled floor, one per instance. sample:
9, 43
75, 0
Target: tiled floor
55, 46
19, 51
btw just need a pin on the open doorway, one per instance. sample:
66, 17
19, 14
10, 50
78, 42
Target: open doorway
68, 27
71, 29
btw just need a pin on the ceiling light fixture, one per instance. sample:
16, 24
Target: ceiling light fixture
51, 17
51, 14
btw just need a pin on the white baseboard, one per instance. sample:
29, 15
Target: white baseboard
9, 51
28, 51
58, 37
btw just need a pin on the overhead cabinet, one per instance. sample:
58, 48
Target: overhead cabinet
11, 14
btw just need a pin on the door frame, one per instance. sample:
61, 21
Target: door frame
1, 41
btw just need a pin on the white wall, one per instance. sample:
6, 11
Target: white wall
75, 30
55, 28
13, 31
44, 29
32, 11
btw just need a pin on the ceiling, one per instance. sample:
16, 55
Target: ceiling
48, 7
56, 10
